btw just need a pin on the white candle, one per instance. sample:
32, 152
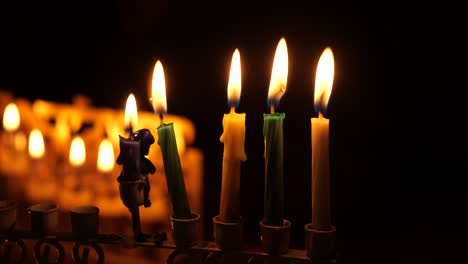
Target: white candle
233, 138
320, 140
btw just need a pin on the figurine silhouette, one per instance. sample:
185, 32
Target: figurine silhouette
146, 167
138, 168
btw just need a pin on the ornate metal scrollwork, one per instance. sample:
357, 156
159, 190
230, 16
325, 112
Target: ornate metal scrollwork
6, 248
42, 256
83, 258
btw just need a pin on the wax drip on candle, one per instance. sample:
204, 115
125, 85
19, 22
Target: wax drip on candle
233, 138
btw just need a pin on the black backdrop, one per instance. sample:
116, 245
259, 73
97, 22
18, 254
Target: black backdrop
395, 132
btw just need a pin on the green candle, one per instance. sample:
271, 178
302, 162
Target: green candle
274, 195
168, 145
173, 171
273, 137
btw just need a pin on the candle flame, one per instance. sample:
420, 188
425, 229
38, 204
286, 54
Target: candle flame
324, 80
36, 144
279, 74
11, 117
158, 89
105, 156
131, 116
77, 152
234, 85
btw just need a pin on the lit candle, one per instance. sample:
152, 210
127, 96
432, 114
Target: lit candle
134, 151
77, 158
40, 187
14, 142
105, 164
129, 156
168, 145
36, 152
320, 151
273, 136
233, 138
11, 117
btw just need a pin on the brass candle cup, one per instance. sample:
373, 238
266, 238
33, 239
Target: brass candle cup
320, 244
7, 215
275, 239
84, 221
184, 231
44, 218
228, 236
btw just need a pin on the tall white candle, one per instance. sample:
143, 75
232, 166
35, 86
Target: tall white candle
320, 143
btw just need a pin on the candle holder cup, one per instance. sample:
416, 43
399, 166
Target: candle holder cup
275, 239
44, 218
228, 236
7, 215
84, 221
320, 244
184, 231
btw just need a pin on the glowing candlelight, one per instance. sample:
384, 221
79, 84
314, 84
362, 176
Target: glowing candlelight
105, 163
131, 116
36, 144
77, 158
77, 155
11, 118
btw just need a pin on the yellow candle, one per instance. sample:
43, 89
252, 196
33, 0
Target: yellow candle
233, 138
320, 136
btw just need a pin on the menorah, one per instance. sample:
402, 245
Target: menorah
182, 241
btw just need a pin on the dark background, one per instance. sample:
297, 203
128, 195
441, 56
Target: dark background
396, 110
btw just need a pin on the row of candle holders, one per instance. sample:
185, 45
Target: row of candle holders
228, 238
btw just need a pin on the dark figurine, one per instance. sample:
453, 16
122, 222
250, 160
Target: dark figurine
134, 184
146, 139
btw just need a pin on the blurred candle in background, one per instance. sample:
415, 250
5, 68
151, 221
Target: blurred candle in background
233, 138
11, 123
167, 142
320, 141
273, 136
14, 156
77, 160
41, 185
38, 163
105, 166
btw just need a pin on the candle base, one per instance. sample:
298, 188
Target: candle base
228, 236
184, 231
320, 244
275, 239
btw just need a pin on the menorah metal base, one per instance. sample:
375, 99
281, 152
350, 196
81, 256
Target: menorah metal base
199, 252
